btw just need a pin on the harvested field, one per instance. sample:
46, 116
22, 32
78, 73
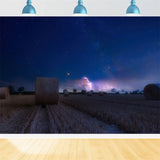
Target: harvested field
15, 103
15, 112
132, 113
26, 117
80, 114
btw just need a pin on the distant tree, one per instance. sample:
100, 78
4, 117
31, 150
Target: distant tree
83, 91
141, 92
131, 92
89, 93
123, 90
126, 92
113, 90
92, 91
11, 89
21, 89
74, 91
117, 92
136, 92
101, 93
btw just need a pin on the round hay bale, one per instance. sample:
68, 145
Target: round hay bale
47, 91
4, 92
65, 93
152, 91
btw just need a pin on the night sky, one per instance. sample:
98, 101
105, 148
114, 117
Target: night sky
121, 53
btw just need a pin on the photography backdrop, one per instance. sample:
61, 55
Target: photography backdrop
111, 52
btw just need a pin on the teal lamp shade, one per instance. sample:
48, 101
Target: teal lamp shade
133, 9
80, 9
29, 9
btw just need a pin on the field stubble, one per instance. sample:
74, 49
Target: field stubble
82, 114
14, 114
19, 114
132, 113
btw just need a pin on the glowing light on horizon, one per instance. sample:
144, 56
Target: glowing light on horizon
84, 83
105, 85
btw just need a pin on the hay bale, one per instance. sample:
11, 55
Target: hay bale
47, 91
65, 93
152, 91
4, 92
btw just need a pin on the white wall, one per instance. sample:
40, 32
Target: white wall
94, 7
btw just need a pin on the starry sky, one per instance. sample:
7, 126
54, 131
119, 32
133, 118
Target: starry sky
112, 52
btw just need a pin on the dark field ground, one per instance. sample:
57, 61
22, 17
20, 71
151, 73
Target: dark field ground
80, 114
132, 113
